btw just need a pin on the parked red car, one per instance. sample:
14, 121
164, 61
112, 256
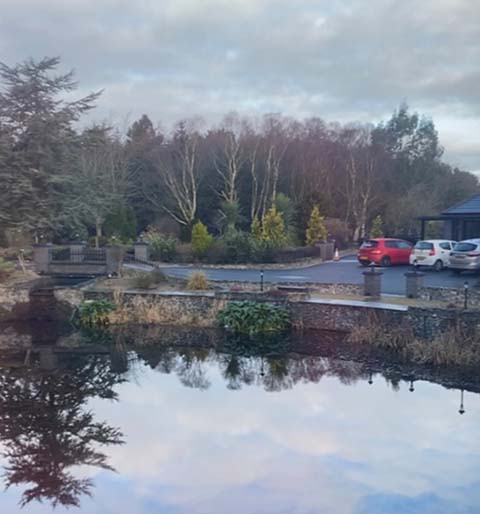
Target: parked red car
384, 252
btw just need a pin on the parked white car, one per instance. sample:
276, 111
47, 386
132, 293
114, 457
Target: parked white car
434, 253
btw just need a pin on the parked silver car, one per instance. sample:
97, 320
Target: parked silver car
465, 256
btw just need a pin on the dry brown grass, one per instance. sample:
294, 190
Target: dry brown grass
452, 348
197, 281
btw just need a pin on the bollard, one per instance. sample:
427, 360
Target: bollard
465, 295
414, 283
372, 283
142, 250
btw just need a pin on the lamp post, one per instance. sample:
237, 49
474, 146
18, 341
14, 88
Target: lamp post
465, 295
261, 280
461, 410
411, 388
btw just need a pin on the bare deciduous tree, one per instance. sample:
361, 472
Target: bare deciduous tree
178, 168
99, 182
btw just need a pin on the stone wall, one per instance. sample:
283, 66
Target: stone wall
310, 315
67, 268
319, 288
451, 296
201, 309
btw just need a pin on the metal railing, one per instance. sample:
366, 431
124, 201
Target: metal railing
77, 255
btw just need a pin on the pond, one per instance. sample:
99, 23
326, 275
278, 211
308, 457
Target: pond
169, 421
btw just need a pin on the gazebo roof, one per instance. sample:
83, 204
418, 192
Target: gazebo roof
467, 207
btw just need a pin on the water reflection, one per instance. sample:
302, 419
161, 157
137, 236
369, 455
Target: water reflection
46, 431
201, 422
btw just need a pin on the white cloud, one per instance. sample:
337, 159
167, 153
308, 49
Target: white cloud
338, 59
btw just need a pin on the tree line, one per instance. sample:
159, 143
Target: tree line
62, 180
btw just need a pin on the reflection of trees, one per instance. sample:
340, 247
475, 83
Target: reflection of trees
268, 362
45, 429
188, 363
190, 367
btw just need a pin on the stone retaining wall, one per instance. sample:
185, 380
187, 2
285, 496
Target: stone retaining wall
318, 288
200, 309
452, 296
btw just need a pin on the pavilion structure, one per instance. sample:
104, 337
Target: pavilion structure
462, 221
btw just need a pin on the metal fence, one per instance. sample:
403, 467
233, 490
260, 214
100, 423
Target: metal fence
78, 255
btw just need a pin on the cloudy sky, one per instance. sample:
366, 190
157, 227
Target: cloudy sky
341, 60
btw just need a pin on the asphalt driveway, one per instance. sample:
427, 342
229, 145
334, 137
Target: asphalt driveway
346, 271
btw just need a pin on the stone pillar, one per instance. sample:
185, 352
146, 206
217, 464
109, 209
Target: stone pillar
372, 283
142, 251
322, 249
41, 257
330, 251
77, 251
114, 257
414, 283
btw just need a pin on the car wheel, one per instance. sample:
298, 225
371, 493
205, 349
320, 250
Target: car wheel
438, 266
364, 263
385, 261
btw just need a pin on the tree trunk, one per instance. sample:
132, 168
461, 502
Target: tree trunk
98, 232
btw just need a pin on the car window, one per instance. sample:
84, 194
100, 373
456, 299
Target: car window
391, 244
445, 246
369, 244
423, 245
403, 245
464, 247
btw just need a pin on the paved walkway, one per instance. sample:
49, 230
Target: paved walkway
346, 271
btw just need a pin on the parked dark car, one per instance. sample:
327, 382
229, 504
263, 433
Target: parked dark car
384, 252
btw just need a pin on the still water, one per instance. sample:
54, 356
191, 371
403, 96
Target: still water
198, 425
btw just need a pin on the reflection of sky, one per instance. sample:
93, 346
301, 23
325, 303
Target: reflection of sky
315, 448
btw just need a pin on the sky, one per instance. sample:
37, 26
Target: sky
341, 60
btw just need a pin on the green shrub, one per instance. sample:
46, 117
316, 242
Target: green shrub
201, 240
197, 281
94, 312
121, 224
256, 228
273, 228
377, 227
254, 318
162, 246
216, 253
237, 247
149, 280
263, 251
316, 230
